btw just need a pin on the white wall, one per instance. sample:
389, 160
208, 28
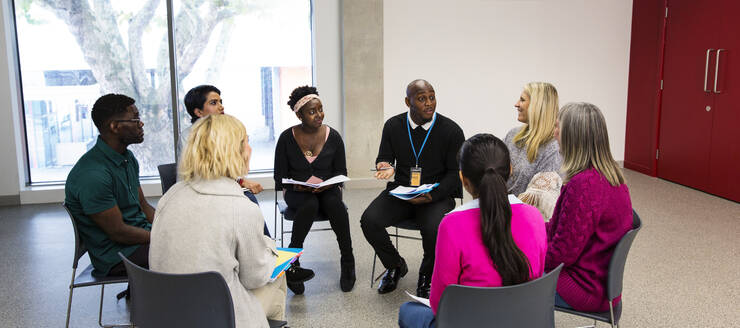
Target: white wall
478, 54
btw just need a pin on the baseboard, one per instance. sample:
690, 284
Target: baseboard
10, 200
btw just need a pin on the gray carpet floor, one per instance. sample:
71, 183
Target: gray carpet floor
682, 271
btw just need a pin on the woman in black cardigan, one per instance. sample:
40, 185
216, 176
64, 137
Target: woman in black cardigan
313, 152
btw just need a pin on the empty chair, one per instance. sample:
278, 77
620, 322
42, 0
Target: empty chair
168, 175
529, 304
85, 278
614, 279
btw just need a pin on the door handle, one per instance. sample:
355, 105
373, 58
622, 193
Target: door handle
716, 71
706, 70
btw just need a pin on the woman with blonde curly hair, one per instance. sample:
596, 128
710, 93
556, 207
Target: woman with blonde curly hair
205, 223
532, 146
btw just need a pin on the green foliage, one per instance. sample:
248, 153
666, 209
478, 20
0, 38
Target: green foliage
23, 9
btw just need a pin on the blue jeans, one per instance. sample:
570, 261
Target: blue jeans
560, 302
413, 314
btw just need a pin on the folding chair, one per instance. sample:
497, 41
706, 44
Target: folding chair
524, 305
180, 300
85, 278
614, 279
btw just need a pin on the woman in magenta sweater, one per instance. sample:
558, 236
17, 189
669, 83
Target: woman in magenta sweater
592, 213
493, 240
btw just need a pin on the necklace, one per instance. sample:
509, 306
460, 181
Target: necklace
308, 153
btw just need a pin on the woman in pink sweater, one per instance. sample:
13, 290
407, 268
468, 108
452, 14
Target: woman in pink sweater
493, 240
592, 213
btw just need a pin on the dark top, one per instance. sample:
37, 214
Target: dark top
438, 160
291, 163
100, 180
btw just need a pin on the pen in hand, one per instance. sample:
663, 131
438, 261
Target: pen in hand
382, 169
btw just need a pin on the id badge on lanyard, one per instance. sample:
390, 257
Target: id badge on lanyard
415, 176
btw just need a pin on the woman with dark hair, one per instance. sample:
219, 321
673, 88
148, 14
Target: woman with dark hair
313, 152
592, 213
493, 240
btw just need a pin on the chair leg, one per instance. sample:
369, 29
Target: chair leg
282, 231
611, 313
69, 302
372, 274
100, 312
397, 245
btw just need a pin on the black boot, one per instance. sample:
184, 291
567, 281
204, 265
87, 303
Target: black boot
424, 285
391, 278
295, 276
347, 277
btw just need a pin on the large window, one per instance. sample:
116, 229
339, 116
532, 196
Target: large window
73, 51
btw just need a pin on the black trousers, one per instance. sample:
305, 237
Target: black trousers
387, 210
308, 206
139, 257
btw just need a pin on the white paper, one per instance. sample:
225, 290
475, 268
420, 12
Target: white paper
333, 180
407, 193
418, 299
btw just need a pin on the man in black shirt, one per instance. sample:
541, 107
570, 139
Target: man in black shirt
423, 145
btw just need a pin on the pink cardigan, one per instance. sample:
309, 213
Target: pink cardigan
590, 218
461, 257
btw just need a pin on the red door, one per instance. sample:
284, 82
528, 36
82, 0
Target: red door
724, 163
686, 114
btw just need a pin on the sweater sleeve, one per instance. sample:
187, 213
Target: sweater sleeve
569, 233
447, 263
451, 180
281, 162
385, 151
255, 252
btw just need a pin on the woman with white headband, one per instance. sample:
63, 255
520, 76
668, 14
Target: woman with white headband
313, 152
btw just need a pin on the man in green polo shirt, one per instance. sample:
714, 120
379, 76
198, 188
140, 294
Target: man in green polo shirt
103, 191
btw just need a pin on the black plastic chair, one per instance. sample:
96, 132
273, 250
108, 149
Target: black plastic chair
529, 304
288, 213
85, 278
178, 300
181, 300
168, 175
614, 279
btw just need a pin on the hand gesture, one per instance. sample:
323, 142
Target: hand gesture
385, 171
421, 199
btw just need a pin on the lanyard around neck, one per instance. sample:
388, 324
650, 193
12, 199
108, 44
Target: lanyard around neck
408, 128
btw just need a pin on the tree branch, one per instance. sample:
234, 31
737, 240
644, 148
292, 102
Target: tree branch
136, 28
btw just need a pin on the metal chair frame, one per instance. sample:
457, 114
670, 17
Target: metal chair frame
614, 279
86, 279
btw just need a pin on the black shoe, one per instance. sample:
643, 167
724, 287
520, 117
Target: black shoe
295, 276
347, 277
391, 278
423, 286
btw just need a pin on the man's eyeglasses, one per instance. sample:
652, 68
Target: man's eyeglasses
133, 120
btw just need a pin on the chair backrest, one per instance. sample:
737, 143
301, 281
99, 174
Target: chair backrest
619, 258
168, 175
531, 304
178, 300
80, 248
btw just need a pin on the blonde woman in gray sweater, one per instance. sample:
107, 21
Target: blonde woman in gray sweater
532, 146
205, 223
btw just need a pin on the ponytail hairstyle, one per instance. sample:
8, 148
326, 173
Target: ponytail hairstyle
484, 161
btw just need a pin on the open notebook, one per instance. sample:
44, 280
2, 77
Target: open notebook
286, 256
